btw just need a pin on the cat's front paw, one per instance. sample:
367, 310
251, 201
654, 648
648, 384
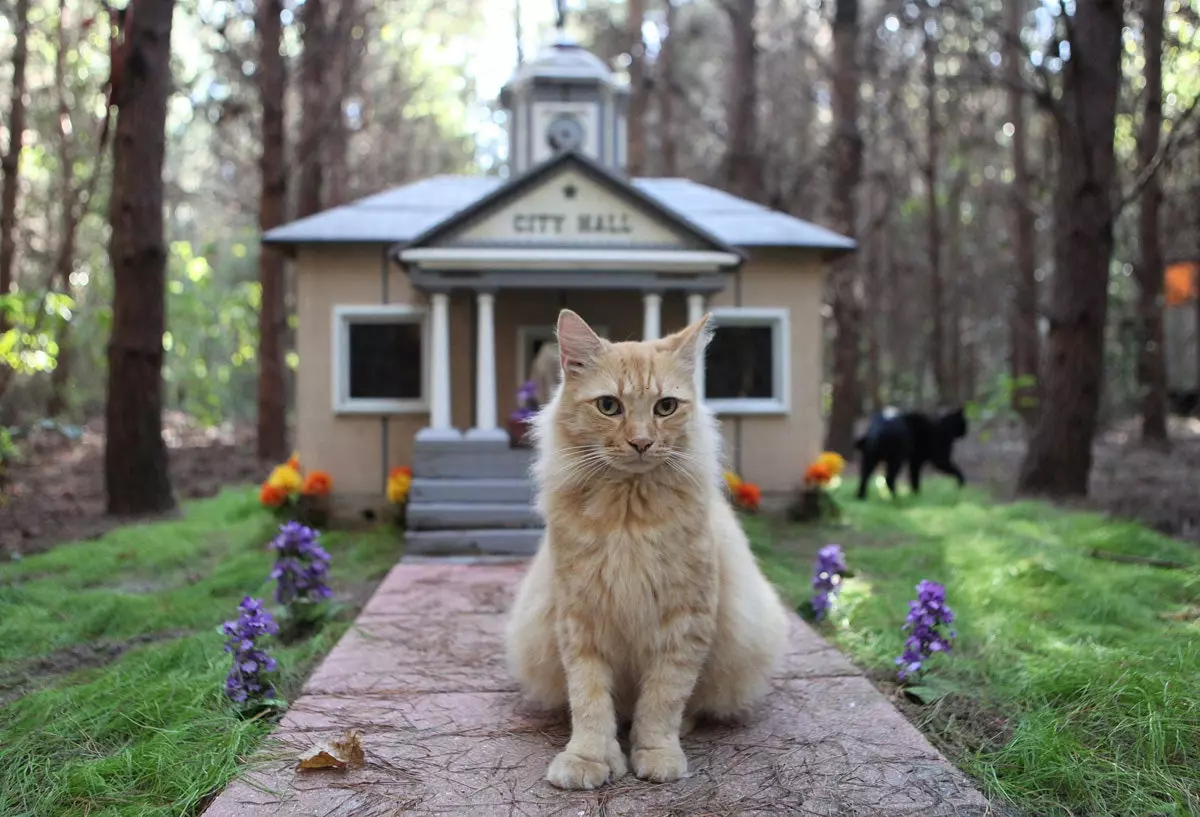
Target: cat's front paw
571, 771
660, 764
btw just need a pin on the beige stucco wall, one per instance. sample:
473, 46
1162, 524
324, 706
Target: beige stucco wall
775, 450
769, 450
358, 450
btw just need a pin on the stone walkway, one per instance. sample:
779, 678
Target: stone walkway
422, 675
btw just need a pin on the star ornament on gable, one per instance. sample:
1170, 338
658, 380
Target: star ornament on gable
569, 191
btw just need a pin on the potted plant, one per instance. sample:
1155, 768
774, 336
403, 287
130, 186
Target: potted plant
813, 502
518, 421
294, 496
398, 485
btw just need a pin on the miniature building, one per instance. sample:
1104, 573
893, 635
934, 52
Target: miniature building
421, 309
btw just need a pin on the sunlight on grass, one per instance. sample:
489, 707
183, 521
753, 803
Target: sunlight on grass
149, 733
1080, 657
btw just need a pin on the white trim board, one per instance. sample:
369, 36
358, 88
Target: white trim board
345, 314
779, 320
532, 258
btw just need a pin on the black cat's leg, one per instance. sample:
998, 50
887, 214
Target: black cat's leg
893, 472
954, 471
914, 474
868, 467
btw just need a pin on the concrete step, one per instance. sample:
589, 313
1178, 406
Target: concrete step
470, 461
491, 541
452, 515
510, 489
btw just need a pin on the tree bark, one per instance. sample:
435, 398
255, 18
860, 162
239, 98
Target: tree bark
952, 358
10, 164
314, 64
668, 149
742, 166
272, 85
1151, 369
1059, 459
847, 308
1023, 308
135, 457
56, 403
937, 305
635, 160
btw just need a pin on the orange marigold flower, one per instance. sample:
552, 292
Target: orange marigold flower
317, 483
400, 469
294, 461
748, 495
834, 462
817, 474
272, 496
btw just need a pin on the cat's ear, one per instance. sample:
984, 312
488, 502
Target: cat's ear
690, 342
578, 345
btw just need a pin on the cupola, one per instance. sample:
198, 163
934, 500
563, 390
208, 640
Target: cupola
565, 99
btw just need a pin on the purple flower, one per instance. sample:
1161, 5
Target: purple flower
927, 616
301, 566
527, 394
527, 404
827, 578
247, 678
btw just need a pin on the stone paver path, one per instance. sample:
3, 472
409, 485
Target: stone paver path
422, 675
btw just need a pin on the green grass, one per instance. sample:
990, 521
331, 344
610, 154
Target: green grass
150, 732
1074, 685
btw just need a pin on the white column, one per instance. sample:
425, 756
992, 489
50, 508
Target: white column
695, 311
439, 358
485, 370
652, 316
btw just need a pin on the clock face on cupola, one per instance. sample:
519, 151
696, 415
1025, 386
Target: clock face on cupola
565, 132
565, 98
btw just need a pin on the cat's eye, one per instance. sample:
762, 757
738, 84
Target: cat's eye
608, 406
666, 406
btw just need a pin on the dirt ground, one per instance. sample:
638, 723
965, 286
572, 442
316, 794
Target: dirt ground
56, 493
1158, 488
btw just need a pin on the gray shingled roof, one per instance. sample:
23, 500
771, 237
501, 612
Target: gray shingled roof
403, 213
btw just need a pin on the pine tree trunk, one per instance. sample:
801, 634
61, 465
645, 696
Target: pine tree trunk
314, 60
10, 164
668, 149
743, 174
1059, 459
638, 96
1023, 308
847, 308
1152, 373
73, 203
135, 457
937, 305
272, 85
953, 358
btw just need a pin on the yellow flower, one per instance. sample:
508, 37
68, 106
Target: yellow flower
397, 487
285, 478
733, 481
834, 462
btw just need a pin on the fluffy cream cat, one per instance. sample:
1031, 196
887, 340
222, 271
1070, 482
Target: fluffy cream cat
644, 602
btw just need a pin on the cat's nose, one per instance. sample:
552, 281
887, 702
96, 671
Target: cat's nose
641, 444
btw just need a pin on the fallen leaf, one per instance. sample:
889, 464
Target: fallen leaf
321, 757
350, 747
340, 754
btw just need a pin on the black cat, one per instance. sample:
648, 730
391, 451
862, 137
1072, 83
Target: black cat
895, 438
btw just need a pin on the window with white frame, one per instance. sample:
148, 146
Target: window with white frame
747, 365
379, 362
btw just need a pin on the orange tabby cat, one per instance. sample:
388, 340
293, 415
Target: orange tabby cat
644, 602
